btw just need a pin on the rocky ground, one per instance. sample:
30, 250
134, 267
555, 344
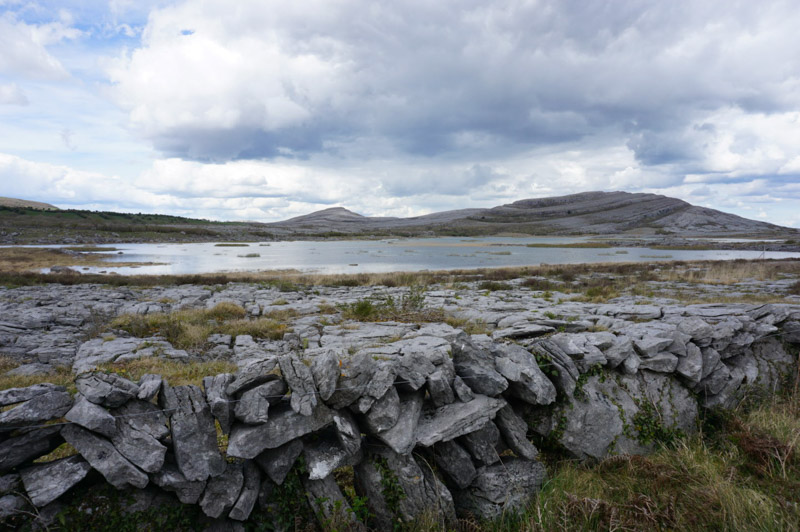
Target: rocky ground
471, 375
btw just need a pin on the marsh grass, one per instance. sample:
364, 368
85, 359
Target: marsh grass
189, 329
18, 259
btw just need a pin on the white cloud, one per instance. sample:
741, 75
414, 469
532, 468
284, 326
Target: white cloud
11, 94
23, 48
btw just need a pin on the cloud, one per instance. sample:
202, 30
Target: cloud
24, 51
11, 94
454, 78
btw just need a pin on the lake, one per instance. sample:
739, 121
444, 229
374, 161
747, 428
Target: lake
377, 256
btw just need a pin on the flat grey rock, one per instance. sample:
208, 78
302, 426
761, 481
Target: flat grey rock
422, 492
482, 443
325, 370
691, 366
149, 386
28, 446
329, 504
256, 373
103, 457
91, 416
218, 399
476, 367
514, 431
284, 425
526, 380
38, 409
253, 405
222, 491
662, 362
401, 438
106, 389
277, 462
323, 455
11, 505
457, 419
384, 412
247, 497
170, 478
194, 436
455, 462
18, 395
501, 488
522, 330
300, 380
46, 483
140, 427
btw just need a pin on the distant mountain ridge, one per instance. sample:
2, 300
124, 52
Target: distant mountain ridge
602, 213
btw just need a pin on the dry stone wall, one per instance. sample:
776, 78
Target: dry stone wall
438, 421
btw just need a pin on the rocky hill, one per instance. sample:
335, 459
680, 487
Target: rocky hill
605, 213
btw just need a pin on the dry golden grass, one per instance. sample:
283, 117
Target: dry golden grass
189, 329
177, 373
61, 376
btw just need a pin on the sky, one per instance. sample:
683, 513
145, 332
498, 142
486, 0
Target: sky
264, 110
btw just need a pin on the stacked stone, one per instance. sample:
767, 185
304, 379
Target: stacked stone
464, 404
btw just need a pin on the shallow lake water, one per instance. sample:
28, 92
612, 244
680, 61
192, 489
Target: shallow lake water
376, 256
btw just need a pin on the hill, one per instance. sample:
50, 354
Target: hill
622, 214
14, 202
600, 213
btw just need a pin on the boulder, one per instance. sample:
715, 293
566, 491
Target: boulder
103, 457
505, 487
253, 405
140, 426
482, 443
149, 386
475, 365
284, 425
415, 491
91, 416
526, 380
300, 380
249, 494
253, 374
455, 462
194, 436
30, 445
401, 438
170, 478
38, 409
222, 491
384, 412
219, 401
277, 462
46, 483
106, 389
457, 419
514, 431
